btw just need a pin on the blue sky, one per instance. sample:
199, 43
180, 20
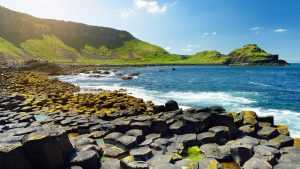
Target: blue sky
185, 26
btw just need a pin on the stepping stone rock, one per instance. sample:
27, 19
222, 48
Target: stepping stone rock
188, 140
136, 133
114, 152
222, 134
256, 163
160, 159
176, 128
187, 164
249, 140
126, 142
206, 137
283, 140
86, 159
111, 164
137, 165
112, 137
141, 154
267, 133
268, 154
209, 150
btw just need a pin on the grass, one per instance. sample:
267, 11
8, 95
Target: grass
50, 48
206, 57
10, 52
252, 51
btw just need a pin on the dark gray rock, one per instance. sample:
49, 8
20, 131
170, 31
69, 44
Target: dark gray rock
127, 142
112, 137
206, 137
241, 153
187, 164
249, 140
210, 150
209, 163
171, 105
142, 125
160, 126
248, 130
159, 159
222, 134
268, 154
86, 159
266, 119
188, 140
176, 128
136, 133
12, 156
158, 108
287, 166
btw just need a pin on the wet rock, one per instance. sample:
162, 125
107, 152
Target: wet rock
86, 159
111, 164
241, 153
256, 163
171, 105
141, 154
12, 156
267, 133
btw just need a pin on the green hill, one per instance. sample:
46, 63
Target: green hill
24, 37
207, 57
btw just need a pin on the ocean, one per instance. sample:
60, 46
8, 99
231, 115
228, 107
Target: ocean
264, 89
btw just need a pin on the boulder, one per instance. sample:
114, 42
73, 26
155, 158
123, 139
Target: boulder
158, 108
171, 105
85, 159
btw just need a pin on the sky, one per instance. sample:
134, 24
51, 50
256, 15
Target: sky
185, 26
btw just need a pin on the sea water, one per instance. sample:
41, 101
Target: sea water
264, 89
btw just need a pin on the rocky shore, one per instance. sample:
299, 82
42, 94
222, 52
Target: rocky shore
47, 124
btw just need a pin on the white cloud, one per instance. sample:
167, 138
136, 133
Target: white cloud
256, 29
168, 48
280, 30
207, 33
190, 47
150, 6
127, 13
214, 33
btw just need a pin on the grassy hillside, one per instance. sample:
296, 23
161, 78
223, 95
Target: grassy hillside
10, 53
207, 57
19, 27
50, 48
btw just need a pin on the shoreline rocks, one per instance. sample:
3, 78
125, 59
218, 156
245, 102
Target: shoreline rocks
116, 131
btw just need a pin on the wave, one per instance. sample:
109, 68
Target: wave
260, 84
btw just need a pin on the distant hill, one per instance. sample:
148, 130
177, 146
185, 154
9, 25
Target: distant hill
24, 37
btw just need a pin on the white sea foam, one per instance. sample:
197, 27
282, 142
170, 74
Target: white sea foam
260, 84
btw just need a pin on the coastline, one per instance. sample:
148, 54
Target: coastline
126, 124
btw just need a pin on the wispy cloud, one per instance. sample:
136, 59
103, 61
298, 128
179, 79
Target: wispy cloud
150, 6
256, 29
207, 34
127, 13
168, 48
190, 47
280, 30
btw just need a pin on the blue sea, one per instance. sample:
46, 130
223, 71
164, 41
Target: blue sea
265, 90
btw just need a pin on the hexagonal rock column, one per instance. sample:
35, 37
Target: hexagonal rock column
43, 151
12, 156
86, 159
